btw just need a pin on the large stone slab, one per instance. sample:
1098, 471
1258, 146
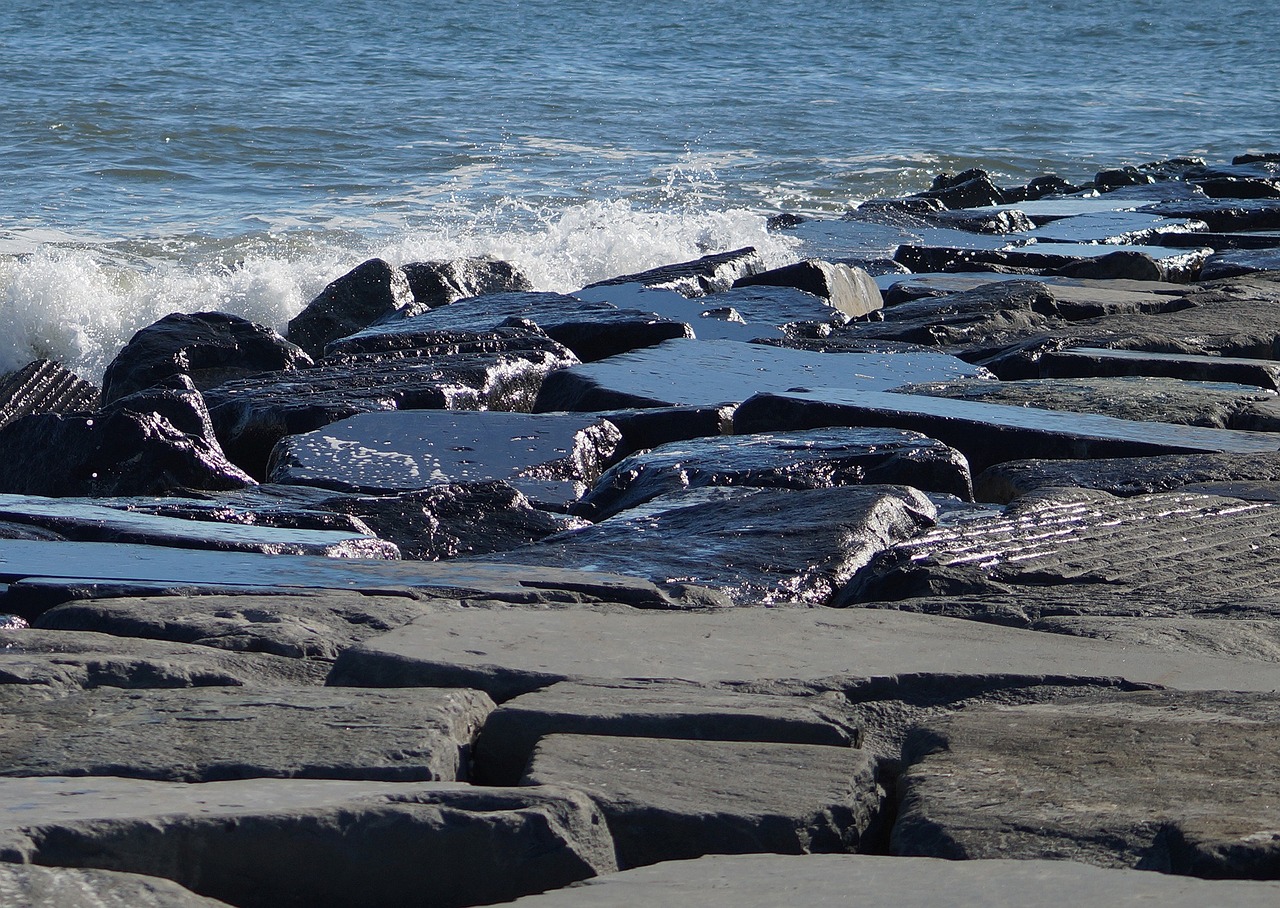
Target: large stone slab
991, 433
758, 547
851, 291
551, 458
60, 661
1172, 544
708, 274
796, 460
669, 800
216, 734
1224, 214
717, 317
710, 373
1151, 780
267, 842
510, 651
82, 520
1082, 362
61, 887
837, 881
654, 709
1142, 263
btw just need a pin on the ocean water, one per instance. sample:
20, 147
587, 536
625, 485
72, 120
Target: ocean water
157, 157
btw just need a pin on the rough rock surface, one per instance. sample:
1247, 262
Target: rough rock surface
267, 842
370, 291
670, 800
61, 887
849, 290
44, 387
440, 283
215, 734
709, 274
1084, 362
1150, 780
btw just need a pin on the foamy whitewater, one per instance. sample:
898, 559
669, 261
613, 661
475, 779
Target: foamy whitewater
164, 157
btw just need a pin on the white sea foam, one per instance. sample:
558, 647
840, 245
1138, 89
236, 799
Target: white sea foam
79, 303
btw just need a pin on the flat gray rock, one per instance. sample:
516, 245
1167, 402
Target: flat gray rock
1082, 362
668, 800
268, 842
216, 734
1171, 544
1124, 475
710, 373
795, 460
839, 881
544, 456
509, 651
988, 434
717, 317
655, 710
1150, 780
60, 887
755, 546
67, 661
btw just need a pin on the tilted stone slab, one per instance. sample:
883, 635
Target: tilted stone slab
1241, 261
62, 887
1118, 228
546, 457
267, 842
758, 547
1081, 362
62, 661
669, 800
796, 460
215, 734
1165, 400
1124, 475
838, 881
592, 330
86, 521
1143, 263
1151, 780
710, 373
988, 434
1224, 214
1172, 544
707, 274
653, 709
509, 651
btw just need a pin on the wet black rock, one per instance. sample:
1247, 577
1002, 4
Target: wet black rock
43, 386
435, 284
207, 347
1241, 261
369, 292
1096, 362
709, 274
849, 290
791, 460
1224, 215
969, 189
653, 426
1066, 259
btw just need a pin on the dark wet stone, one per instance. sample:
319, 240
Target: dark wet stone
770, 547
1124, 475
1210, 404
86, 521
988, 434
711, 373
827, 881
1122, 228
968, 189
43, 386
64, 661
1149, 780
654, 709
653, 426
793, 460
548, 457
207, 347
1001, 221
669, 800
149, 443
1170, 544
709, 274
63, 887
849, 290
1096, 362
440, 283
269, 842
1222, 215
1149, 263
1106, 180
1221, 241
369, 292
1242, 261
592, 330
463, 373
216, 734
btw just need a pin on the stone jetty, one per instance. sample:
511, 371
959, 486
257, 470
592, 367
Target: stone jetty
941, 567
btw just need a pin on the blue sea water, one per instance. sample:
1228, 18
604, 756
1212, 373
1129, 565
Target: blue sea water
157, 156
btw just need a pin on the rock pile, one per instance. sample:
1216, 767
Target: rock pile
958, 540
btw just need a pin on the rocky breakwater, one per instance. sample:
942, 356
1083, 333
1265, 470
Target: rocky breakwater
959, 539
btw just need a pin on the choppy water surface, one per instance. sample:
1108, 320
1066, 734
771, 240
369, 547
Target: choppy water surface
214, 154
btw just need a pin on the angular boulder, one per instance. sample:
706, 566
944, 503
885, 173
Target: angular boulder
367, 293
440, 283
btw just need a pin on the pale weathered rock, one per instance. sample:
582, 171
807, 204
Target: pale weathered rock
1152, 780
668, 800
837, 881
215, 734
62, 887
268, 842
849, 290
